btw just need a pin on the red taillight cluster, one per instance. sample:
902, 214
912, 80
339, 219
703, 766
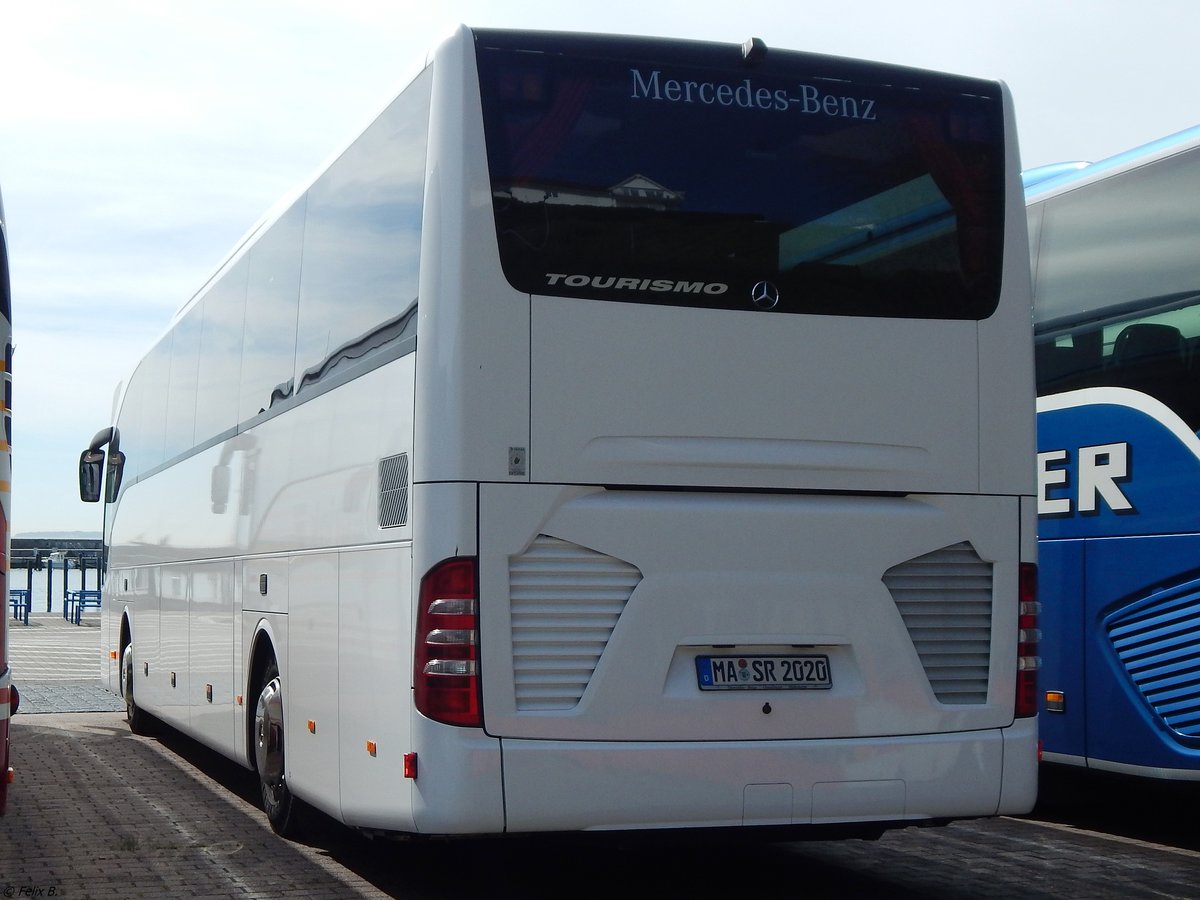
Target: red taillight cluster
1028, 661
446, 654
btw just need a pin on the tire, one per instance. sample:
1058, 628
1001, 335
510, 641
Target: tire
282, 808
140, 721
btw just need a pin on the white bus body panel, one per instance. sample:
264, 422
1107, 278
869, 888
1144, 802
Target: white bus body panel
468, 414
374, 659
182, 570
1006, 370
629, 393
600, 785
762, 573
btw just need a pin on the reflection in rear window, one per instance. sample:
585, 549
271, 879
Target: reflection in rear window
642, 172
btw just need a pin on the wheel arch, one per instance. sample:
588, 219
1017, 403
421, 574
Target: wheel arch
262, 652
126, 633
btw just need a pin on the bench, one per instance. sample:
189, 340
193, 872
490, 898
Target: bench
77, 601
18, 599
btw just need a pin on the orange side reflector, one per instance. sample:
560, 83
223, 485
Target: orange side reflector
112, 654
312, 726
239, 699
371, 747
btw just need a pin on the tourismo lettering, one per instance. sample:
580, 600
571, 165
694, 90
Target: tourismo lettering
807, 99
617, 283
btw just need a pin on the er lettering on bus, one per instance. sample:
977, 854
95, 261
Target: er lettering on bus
1099, 471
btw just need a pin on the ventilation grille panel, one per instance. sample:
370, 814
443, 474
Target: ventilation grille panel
945, 600
393, 491
1158, 643
565, 600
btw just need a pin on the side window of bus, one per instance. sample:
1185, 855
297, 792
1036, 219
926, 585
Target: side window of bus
1068, 361
1151, 357
1157, 354
362, 239
222, 325
272, 299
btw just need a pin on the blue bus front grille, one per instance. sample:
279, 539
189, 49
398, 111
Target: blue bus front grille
1158, 643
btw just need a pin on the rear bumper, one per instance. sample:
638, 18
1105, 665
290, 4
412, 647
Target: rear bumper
569, 786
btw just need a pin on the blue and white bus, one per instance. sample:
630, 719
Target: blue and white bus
620, 434
1116, 265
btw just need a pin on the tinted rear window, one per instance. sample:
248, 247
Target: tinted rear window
673, 174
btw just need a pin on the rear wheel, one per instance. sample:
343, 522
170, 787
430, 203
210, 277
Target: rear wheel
140, 721
282, 809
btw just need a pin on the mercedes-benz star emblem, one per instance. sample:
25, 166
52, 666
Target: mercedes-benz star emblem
765, 295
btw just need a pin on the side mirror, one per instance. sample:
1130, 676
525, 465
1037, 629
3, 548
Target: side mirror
91, 471
116, 468
92, 468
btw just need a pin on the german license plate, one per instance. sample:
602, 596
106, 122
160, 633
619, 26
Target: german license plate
763, 673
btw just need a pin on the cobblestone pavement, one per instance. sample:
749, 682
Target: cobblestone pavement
56, 665
98, 812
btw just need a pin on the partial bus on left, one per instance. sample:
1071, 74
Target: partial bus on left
8, 691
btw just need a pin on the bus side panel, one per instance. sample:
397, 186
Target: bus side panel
374, 674
1141, 594
174, 674
310, 684
1061, 590
110, 635
1118, 477
469, 414
148, 683
214, 605
1006, 439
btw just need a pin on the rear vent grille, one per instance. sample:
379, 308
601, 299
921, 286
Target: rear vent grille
566, 600
945, 600
1158, 643
393, 491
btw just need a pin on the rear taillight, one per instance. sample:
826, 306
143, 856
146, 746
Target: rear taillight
1028, 636
446, 652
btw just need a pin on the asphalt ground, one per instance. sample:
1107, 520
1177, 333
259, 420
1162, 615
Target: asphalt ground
98, 812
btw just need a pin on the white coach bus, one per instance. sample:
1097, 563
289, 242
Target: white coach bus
620, 434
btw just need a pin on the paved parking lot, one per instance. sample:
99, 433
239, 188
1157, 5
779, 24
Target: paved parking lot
57, 664
99, 812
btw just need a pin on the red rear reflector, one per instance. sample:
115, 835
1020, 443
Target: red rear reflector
446, 652
1028, 637
410, 765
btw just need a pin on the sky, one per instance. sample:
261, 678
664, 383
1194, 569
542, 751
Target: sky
140, 140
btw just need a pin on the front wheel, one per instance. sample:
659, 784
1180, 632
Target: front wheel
281, 807
139, 720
